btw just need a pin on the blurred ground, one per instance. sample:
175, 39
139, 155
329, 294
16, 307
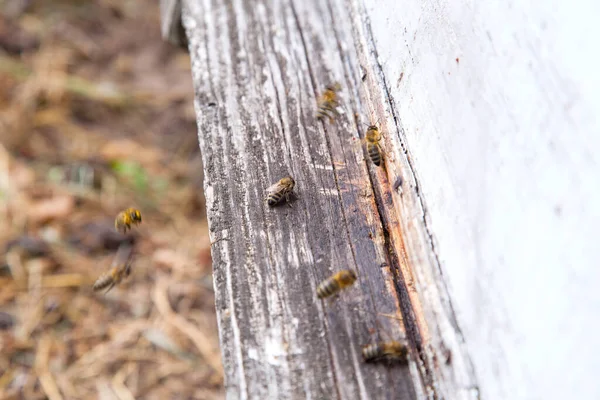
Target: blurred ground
96, 115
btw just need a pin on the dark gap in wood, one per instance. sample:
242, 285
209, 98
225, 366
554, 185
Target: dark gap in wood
356, 102
409, 320
402, 294
412, 327
408, 317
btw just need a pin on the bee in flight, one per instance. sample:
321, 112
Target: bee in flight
327, 103
335, 283
125, 219
392, 351
373, 137
280, 190
119, 270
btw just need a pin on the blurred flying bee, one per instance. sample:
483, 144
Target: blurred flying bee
391, 351
125, 219
373, 137
327, 103
119, 270
335, 283
280, 190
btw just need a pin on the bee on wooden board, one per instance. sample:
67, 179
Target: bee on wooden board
327, 102
126, 218
119, 270
391, 352
335, 283
373, 137
280, 190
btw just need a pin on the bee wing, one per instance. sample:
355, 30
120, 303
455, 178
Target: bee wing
122, 260
123, 256
276, 187
112, 284
105, 280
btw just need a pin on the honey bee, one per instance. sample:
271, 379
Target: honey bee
327, 103
392, 351
280, 190
373, 137
120, 269
125, 219
335, 283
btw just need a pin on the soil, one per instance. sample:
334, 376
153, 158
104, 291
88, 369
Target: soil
96, 115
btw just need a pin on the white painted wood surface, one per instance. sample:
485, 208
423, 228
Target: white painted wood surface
498, 104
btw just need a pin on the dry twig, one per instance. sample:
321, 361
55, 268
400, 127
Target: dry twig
200, 340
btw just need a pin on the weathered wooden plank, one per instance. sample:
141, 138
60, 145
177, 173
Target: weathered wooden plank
257, 69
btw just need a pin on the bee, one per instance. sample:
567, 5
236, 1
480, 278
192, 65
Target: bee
373, 137
280, 190
327, 103
125, 219
392, 351
335, 283
120, 269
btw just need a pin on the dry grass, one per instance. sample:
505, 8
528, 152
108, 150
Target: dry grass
96, 115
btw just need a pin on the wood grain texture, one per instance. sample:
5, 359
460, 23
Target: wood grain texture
258, 67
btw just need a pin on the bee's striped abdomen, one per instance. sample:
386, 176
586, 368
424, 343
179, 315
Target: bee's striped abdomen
103, 282
388, 351
374, 153
280, 190
327, 103
372, 352
326, 110
327, 288
275, 197
335, 283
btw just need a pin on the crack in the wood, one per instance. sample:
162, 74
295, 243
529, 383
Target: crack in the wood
400, 286
406, 307
279, 111
399, 129
387, 244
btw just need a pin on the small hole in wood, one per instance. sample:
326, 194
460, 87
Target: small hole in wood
398, 183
